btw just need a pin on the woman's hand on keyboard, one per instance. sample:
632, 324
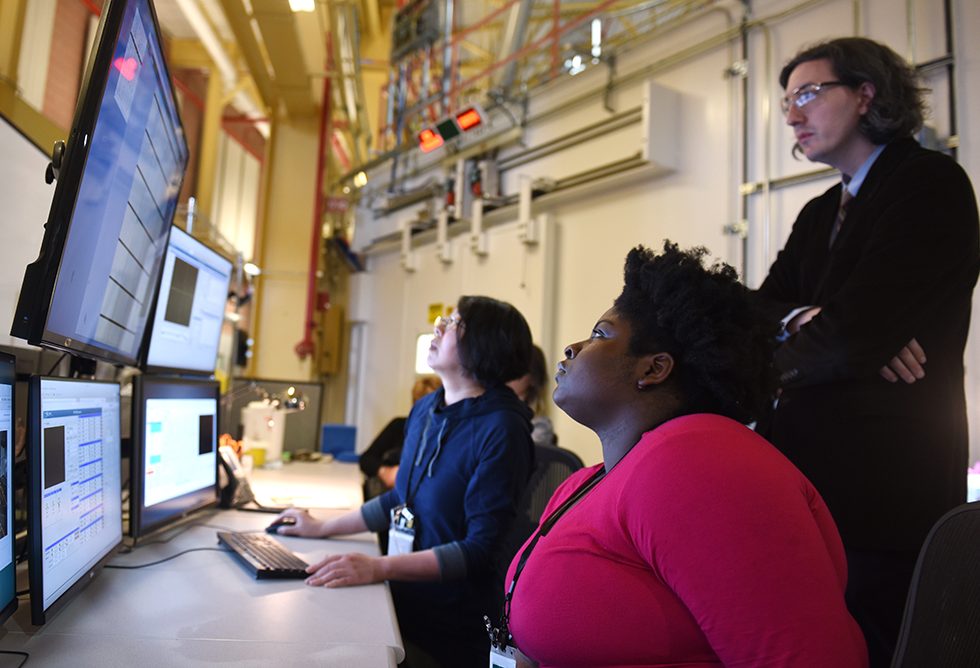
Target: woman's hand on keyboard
345, 570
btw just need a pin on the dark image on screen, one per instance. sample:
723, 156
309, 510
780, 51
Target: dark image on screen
180, 301
54, 456
174, 465
205, 434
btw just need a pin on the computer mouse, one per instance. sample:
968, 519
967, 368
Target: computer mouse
281, 522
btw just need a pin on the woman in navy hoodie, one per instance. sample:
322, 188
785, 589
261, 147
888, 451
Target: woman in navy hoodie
466, 460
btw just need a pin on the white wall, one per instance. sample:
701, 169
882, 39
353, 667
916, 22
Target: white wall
579, 263
236, 199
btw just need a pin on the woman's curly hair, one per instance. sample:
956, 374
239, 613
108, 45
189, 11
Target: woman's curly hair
721, 342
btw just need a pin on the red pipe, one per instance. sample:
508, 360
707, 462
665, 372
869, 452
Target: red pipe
306, 346
191, 96
92, 7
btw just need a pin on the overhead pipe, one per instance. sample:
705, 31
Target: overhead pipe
306, 345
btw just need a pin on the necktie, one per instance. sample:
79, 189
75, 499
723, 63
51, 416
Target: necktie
845, 199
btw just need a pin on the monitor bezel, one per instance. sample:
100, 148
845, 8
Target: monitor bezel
200, 498
145, 365
39, 614
8, 376
41, 276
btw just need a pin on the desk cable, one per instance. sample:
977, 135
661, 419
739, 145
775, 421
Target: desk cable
172, 556
14, 652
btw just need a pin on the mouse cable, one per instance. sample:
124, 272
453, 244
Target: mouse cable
172, 556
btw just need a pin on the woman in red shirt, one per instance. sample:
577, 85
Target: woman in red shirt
694, 542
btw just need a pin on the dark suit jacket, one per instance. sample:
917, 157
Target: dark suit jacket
889, 459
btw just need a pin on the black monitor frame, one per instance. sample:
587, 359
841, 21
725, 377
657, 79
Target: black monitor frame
142, 521
39, 615
31, 317
8, 377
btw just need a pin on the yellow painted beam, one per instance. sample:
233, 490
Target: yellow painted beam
210, 133
35, 125
11, 28
241, 26
189, 53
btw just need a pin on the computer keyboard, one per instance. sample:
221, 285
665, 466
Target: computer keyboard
263, 556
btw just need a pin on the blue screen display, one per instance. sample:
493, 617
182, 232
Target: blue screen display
126, 199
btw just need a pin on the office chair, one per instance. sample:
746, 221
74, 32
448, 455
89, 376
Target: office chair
552, 465
942, 614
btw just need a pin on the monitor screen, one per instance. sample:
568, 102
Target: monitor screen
91, 289
8, 585
190, 307
175, 444
74, 498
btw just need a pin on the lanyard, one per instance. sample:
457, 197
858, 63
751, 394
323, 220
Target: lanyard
501, 635
423, 442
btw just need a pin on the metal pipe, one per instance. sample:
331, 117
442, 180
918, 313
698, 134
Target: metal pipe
447, 58
306, 347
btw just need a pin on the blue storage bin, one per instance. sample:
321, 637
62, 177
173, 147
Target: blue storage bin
338, 440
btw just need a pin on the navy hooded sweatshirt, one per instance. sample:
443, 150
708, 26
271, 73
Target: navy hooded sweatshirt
462, 471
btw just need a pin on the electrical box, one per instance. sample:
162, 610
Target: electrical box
417, 25
331, 340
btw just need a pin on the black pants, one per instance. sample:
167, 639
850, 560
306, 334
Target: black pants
877, 586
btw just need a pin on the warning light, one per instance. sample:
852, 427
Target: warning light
468, 119
429, 140
450, 128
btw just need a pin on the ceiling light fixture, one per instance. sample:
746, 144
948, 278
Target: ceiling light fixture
302, 5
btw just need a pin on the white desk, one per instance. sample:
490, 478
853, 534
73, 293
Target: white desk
203, 609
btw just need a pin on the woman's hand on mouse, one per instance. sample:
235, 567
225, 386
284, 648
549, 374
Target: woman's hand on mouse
306, 525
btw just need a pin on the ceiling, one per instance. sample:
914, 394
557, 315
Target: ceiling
264, 43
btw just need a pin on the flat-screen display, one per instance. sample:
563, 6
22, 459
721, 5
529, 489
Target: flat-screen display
190, 307
91, 289
175, 446
8, 580
74, 495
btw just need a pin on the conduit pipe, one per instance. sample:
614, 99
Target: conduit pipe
306, 345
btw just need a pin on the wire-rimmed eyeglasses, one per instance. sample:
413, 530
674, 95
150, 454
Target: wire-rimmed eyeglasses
803, 95
445, 323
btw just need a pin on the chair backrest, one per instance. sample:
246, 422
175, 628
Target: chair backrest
552, 465
941, 626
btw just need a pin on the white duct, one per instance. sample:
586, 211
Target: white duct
226, 67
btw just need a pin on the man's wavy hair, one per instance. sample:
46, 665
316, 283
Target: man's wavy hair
721, 342
898, 107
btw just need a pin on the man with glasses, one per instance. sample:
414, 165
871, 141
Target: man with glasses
884, 261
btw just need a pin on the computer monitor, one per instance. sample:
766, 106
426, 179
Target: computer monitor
91, 289
74, 495
175, 446
190, 307
8, 580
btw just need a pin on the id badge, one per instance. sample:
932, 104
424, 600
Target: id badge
502, 658
401, 533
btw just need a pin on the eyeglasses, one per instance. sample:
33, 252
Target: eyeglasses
445, 324
805, 94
